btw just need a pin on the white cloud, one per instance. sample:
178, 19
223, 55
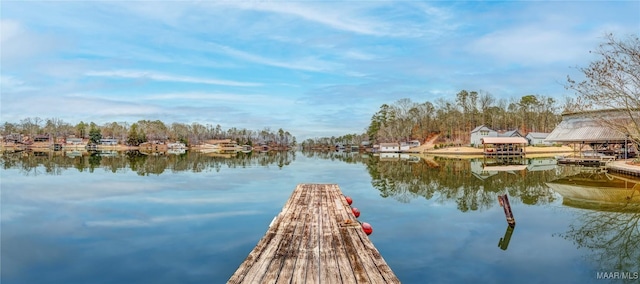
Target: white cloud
156, 76
10, 29
19, 44
531, 44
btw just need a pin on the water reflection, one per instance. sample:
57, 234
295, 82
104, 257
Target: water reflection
347, 157
473, 184
32, 163
199, 227
608, 223
503, 244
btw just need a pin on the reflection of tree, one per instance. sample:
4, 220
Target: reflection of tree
347, 157
94, 161
32, 163
453, 180
612, 236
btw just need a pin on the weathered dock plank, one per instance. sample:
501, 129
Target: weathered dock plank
314, 239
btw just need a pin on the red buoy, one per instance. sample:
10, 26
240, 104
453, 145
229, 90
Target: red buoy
348, 200
367, 228
356, 212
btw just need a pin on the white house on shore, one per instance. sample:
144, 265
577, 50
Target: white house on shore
389, 147
480, 132
393, 147
538, 138
512, 133
414, 143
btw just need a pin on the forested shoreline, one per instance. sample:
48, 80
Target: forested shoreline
143, 131
453, 119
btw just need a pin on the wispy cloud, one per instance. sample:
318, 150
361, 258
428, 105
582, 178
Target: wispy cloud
309, 63
220, 98
369, 18
341, 19
12, 84
531, 45
156, 76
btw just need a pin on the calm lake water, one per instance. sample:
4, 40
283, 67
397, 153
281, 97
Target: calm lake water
117, 217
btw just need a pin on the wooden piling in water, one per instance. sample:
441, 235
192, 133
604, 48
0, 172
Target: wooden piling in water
315, 239
504, 203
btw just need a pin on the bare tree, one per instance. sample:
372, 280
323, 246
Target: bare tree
613, 82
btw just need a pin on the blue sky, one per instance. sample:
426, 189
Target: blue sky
313, 68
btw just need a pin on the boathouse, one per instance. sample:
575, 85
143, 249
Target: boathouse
480, 132
389, 147
13, 138
503, 146
600, 132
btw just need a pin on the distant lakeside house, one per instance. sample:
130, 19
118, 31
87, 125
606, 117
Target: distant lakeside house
395, 147
41, 138
538, 138
482, 131
389, 147
109, 141
74, 141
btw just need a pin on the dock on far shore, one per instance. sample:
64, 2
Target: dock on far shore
315, 239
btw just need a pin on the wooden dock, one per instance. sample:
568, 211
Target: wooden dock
623, 168
315, 239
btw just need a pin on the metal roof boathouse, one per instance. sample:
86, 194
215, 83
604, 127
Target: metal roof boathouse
607, 132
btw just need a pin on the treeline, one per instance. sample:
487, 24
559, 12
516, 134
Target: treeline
145, 130
454, 118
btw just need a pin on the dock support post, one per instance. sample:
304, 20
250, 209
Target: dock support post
504, 203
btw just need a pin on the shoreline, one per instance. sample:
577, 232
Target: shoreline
529, 151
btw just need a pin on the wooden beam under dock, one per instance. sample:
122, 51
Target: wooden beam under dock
315, 239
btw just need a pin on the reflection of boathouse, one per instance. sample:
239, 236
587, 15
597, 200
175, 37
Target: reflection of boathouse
483, 170
398, 157
541, 164
598, 191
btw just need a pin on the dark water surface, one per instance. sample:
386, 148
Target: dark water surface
117, 217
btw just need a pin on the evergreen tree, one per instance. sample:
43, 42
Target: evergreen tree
94, 134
